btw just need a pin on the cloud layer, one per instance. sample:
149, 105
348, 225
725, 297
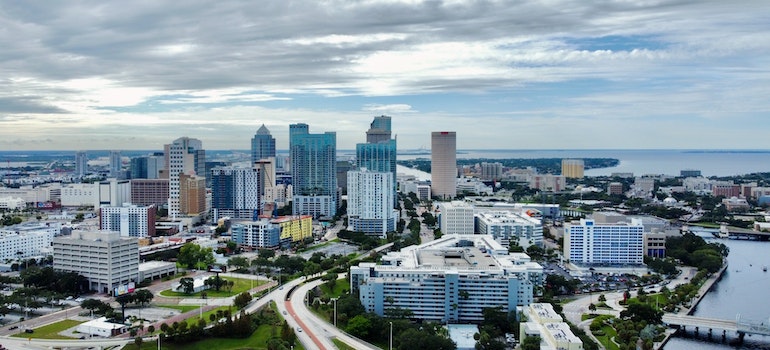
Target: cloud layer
504, 74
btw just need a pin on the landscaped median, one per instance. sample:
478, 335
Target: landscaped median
240, 285
50, 331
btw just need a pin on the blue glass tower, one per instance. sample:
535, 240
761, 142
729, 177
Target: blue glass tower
379, 152
313, 171
262, 145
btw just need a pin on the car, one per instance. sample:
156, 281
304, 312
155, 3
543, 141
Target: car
284, 312
299, 330
13, 327
29, 330
79, 300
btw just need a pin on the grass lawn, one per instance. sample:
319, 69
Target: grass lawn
606, 339
50, 331
181, 308
342, 346
341, 285
588, 317
241, 285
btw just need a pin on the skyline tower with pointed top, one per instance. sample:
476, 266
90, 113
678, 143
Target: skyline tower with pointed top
262, 145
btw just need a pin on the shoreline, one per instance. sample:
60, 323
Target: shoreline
705, 288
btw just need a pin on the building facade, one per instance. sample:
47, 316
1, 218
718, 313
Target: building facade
105, 259
491, 171
257, 234
295, 228
449, 280
236, 192
572, 168
370, 202
147, 167
456, 217
129, 220
443, 164
587, 242
116, 164
192, 195
81, 163
510, 227
262, 145
185, 156
313, 171
149, 192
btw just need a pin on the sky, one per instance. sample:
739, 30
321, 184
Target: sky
546, 74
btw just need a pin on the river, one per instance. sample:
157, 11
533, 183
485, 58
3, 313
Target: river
742, 290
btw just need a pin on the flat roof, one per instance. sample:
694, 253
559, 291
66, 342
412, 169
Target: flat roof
456, 257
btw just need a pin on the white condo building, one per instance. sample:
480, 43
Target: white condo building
129, 220
506, 226
370, 202
109, 192
456, 217
256, 234
449, 280
29, 239
544, 322
588, 242
104, 258
185, 156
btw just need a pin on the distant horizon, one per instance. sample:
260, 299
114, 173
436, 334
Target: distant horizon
759, 150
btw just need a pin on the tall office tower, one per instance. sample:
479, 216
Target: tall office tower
262, 145
572, 168
185, 156
266, 167
371, 202
116, 164
379, 130
129, 220
313, 171
443, 164
236, 193
147, 167
379, 151
192, 195
81, 163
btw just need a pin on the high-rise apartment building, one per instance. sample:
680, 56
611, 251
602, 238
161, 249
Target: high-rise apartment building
116, 164
149, 192
491, 171
192, 195
443, 164
572, 168
105, 259
456, 217
378, 154
313, 171
236, 192
371, 202
129, 220
81, 163
185, 156
588, 242
147, 167
262, 145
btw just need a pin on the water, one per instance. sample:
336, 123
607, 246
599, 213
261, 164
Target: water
640, 162
742, 290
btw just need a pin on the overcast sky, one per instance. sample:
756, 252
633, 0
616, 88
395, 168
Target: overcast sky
545, 74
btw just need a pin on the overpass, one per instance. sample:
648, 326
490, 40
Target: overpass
739, 325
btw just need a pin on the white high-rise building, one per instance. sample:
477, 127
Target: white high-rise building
588, 242
456, 217
129, 220
185, 156
508, 226
443, 164
449, 280
104, 258
370, 202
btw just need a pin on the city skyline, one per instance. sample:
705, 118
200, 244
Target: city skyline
525, 75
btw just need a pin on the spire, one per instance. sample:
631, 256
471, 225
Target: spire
263, 130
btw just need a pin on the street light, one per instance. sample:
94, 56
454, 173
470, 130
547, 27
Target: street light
390, 339
335, 311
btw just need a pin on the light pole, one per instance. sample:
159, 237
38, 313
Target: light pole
335, 311
390, 339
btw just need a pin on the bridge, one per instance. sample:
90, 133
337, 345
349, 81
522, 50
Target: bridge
739, 325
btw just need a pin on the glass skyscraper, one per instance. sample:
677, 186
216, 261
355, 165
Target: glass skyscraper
379, 152
262, 145
313, 171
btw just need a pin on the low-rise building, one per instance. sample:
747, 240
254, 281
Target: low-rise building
509, 226
554, 333
256, 234
456, 217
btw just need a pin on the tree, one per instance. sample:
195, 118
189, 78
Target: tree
138, 342
359, 326
642, 312
123, 300
531, 343
592, 307
187, 285
242, 300
151, 329
239, 262
266, 253
143, 296
192, 255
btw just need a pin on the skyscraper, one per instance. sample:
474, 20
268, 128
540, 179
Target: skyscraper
379, 151
572, 168
313, 171
443, 164
236, 192
262, 145
185, 156
147, 167
116, 163
371, 202
81, 163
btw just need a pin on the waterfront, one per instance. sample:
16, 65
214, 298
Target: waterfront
641, 162
742, 290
